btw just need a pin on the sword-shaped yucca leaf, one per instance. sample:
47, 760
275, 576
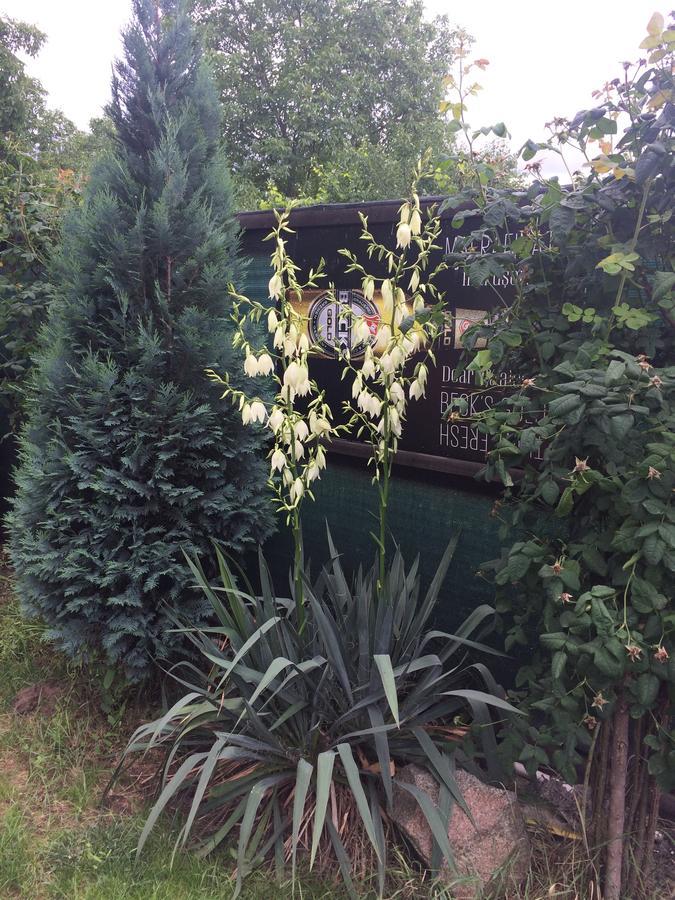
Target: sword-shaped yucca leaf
354, 780
384, 667
376, 814
303, 778
342, 858
324, 776
432, 815
255, 798
213, 757
219, 836
442, 768
382, 751
445, 805
246, 646
433, 591
469, 694
174, 785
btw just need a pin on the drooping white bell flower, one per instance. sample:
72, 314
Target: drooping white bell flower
272, 320
387, 364
397, 394
362, 331
299, 449
414, 281
276, 419
251, 365
416, 390
403, 235
368, 287
415, 221
246, 413
275, 286
301, 430
258, 411
313, 472
278, 460
265, 364
318, 425
297, 490
368, 367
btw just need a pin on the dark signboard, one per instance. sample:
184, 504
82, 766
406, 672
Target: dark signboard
430, 440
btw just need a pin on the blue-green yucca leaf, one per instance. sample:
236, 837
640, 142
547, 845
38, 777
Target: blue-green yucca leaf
469, 694
455, 642
354, 780
175, 784
254, 800
246, 646
303, 779
434, 820
382, 750
210, 844
383, 663
431, 597
324, 776
342, 858
441, 765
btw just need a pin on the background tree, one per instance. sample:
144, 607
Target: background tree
127, 457
333, 100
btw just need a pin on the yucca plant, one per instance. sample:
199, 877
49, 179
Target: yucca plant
292, 737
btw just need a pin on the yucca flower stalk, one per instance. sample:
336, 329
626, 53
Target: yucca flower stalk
412, 320
290, 404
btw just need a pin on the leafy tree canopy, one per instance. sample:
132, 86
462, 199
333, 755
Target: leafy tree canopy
330, 100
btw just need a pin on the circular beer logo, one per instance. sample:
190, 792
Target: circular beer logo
332, 318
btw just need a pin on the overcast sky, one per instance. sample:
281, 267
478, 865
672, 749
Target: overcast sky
546, 56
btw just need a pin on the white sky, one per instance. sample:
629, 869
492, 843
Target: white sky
546, 56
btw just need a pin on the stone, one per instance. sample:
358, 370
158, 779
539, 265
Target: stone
493, 854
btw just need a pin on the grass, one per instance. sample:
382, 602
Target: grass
57, 842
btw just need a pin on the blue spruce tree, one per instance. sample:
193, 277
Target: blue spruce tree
128, 456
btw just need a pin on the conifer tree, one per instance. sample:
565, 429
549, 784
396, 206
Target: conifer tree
128, 456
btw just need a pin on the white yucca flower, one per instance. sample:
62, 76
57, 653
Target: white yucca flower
418, 304
318, 425
320, 458
279, 338
290, 346
313, 472
276, 419
251, 365
287, 393
387, 364
422, 373
403, 235
305, 386
397, 356
368, 367
397, 394
395, 421
278, 460
299, 449
275, 286
414, 281
362, 331
301, 430
416, 222
297, 490
246, 413
357, 387
387, 295
303, 343
265, 364
287, 477
272, 320
368, 287
258, 411
416, 390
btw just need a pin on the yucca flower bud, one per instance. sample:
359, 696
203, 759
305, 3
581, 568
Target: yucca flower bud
414, 281
265, 364
387, 297
251, 365
403, 235
278, 460
275, 286
303, 344
368, 287
320, 458
418, 304
357, 387
416, 222
287, 477
246, 414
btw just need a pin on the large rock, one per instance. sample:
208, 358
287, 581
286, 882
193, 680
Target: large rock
494, 854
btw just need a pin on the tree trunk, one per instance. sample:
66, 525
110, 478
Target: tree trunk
617, 801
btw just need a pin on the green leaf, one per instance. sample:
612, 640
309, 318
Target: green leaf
303, 778
383, 663
324, 775
352, 773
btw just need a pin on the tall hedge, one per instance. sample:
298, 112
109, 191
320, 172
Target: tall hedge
128, 456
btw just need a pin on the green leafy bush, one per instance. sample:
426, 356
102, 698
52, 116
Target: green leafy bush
127, 456
289, 721
588, 420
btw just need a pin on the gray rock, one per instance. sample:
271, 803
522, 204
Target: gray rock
493, 854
